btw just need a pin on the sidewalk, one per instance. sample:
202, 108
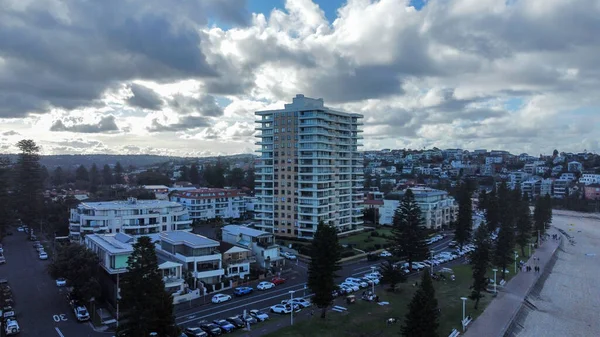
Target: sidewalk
497, 317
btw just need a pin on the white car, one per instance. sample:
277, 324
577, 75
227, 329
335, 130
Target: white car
298, 301
289, 255
43, 255
371, 281
61, 282
220, 298
385, 253
374, 274
81, 313
281, 309
418, 265
20, 229
259, 315
264, 285
353, 286
11, 326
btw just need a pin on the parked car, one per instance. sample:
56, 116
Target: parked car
299, 301
220, 298
11, 326
61, 282
81, 313
289, 255
241, 291
211, 329
20, 229
264, 285
259, 315
281, 309
195, 332
1, 249
247, 319
277, 280
7, 311
43, 255
375, 274
385, 253
224, 325
2, 259
353, 286
236, 321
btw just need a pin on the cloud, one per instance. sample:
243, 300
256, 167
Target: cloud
10, 133
184, 123
204, 105
105, 125
144, 97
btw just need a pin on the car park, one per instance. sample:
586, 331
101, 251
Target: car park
277, 280
353, 286
220, 298
224, 325
370, 281
236, 321
211, 329
195, 332
264, 285
259, 315
357, 281
374, 274
241, 291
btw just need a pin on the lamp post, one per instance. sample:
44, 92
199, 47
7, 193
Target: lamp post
464, 300
373, 282
292, 306
530, 244
516, 262
495, 270
431, 261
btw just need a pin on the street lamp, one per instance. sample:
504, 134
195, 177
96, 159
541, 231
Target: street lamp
431, 261
292, 306
495, 270
530, 244
464, 300
373, 282
516, 262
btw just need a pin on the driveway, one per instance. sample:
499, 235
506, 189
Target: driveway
41, 308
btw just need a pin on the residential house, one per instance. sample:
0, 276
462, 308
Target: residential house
198, 254
260, 243
236, 260
516, 178
561, 188
592, 191
588, 178
160, 191
568, 176
574, 166
531, 187
546, 187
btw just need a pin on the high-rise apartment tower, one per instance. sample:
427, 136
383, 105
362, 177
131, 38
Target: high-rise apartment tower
309, 169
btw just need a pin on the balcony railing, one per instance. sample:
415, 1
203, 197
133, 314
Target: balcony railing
265, 245
250, 259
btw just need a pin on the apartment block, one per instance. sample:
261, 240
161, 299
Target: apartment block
561, 188
309, 169
546, 186
236, 260
438, 209
198, 255
209, 203
588, 178
260, 243
132, 217
531, 187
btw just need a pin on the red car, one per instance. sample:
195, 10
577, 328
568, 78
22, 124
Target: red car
278, 280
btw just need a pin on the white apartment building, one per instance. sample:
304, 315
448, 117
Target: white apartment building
209, 203
588, 179
516, 178
531, 187
546, 187
561, 188
309, 169
568, 176
437, 208
132, 217
260, 243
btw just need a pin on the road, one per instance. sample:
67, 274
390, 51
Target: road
295, 281
41, 308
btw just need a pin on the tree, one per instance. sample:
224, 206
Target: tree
250, 178
184, 173
422, 318
82, 174
28, 184
503, 253
538, 217
464, 223
392, 275
325, 253
146, 306
118, 176
480, 261
94, 175
523, 224
194, 174
408, 236
78, 265
492, 211
58, 177
6, 215
547, 203
107, 175
152, 178
236, 177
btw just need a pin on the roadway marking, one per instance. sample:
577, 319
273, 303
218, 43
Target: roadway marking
59, 332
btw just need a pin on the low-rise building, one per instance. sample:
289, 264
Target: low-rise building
160, 191
561, 188
592, 191
132, 217
260, 243
438, 209
531, 187
546, 187
574, 166
236, 260
209, 203
588, 178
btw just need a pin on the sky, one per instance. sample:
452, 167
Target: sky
184, 77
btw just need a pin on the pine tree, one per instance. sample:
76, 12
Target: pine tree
79, 265
118, 174
58, 177
492, 212
464, 223
107, 175
194, 174
82, 174
145, 304
28, 187
480, 261
185, 173
94, 175
325, 253
539, 218
391, 275
547, 207
422, 318
523, 226
6, 214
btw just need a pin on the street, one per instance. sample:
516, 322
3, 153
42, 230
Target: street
41, 308
295, 281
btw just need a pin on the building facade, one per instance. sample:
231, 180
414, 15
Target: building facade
236, 260
438, 209
262, 245
209, 203
132, 217
309, 169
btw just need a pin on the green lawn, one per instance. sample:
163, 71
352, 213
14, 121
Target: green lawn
358, 240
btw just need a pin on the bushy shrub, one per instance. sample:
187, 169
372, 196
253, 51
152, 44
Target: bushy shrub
374, 233
377, 246
348, 253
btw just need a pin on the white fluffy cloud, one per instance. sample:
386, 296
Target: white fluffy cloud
516, 75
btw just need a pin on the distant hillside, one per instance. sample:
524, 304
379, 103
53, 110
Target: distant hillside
72, 161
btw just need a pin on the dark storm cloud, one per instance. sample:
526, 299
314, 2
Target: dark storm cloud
144, 97
105, 125
66, 54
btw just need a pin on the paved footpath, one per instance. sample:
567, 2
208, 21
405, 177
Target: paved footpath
496, 318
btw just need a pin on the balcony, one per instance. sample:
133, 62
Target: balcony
208, 273
250, 259
172, 281
266, 245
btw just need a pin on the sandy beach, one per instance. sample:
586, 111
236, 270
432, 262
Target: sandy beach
568, 304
